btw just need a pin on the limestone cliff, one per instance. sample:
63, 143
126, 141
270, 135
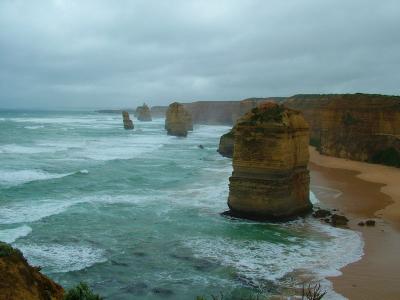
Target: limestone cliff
226, 143
143, 113
178, 120
19, 280
270, 179
360, 127
128, 124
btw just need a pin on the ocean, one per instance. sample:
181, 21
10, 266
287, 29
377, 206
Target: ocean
136, 214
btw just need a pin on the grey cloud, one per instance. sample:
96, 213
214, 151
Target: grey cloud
67, 54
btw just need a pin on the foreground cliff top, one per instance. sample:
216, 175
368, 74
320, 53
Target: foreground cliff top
19, 280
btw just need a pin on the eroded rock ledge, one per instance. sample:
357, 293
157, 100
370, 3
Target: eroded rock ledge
270, 179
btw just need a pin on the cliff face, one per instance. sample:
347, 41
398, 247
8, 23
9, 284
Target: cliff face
18, 280
270, 179
158, 111
226, 144
128, 124
222, 112
358, 127
143, 113
178, 120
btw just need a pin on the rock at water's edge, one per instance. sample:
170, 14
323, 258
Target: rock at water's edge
128, 124
270, 179
178, 120
143, 113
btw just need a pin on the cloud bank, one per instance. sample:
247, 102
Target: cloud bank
101, 54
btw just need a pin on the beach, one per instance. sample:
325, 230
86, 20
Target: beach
363, 191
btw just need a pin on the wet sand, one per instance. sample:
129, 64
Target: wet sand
364, 191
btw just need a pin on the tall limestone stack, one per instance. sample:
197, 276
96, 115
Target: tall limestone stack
178, 120
143, 113
128, 124
362, 127
226, 143
270, 179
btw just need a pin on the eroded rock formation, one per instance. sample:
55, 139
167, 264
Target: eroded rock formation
19, 280
128, 124
143, 113
226, 144
270, 179
178, 120
360, 127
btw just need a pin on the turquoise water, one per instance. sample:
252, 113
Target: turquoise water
135, 214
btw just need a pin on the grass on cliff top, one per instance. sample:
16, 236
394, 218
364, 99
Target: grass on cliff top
274, 113
7, 250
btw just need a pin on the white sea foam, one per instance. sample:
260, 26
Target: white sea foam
62, 258
34, 127
31, 211
17, 177
257, 261
19, 149
11, 235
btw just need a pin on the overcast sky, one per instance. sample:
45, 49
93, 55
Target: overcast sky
110, 54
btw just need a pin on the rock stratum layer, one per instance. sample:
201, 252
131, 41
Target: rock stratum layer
270, 179
361, 127
128, 124
178, 121
143, 113
19, 280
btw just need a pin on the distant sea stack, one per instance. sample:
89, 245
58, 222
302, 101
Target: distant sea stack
361, 127
128, 124
270, 179
143, 113
19, 280
178, 120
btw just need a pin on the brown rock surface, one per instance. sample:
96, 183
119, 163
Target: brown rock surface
19, 280
226, 144
359, 127
178, 120
128, 124
270, 179
143, 113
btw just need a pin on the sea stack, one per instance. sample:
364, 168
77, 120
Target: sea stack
143, 113
178, 120
270, 179
128, 124
226, 143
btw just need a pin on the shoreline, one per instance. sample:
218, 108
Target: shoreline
363, 191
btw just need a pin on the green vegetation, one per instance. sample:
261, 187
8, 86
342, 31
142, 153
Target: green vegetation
316, 142
349, 120
7, 250
389, 156
275, 113
81, 292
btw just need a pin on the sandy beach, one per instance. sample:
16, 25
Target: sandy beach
364, 191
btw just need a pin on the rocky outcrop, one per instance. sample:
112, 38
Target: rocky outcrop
270, 179
143, 113
19, 280
359, 127
226, 144
128, 124
178, 120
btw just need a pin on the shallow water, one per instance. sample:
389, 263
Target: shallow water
136, 213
